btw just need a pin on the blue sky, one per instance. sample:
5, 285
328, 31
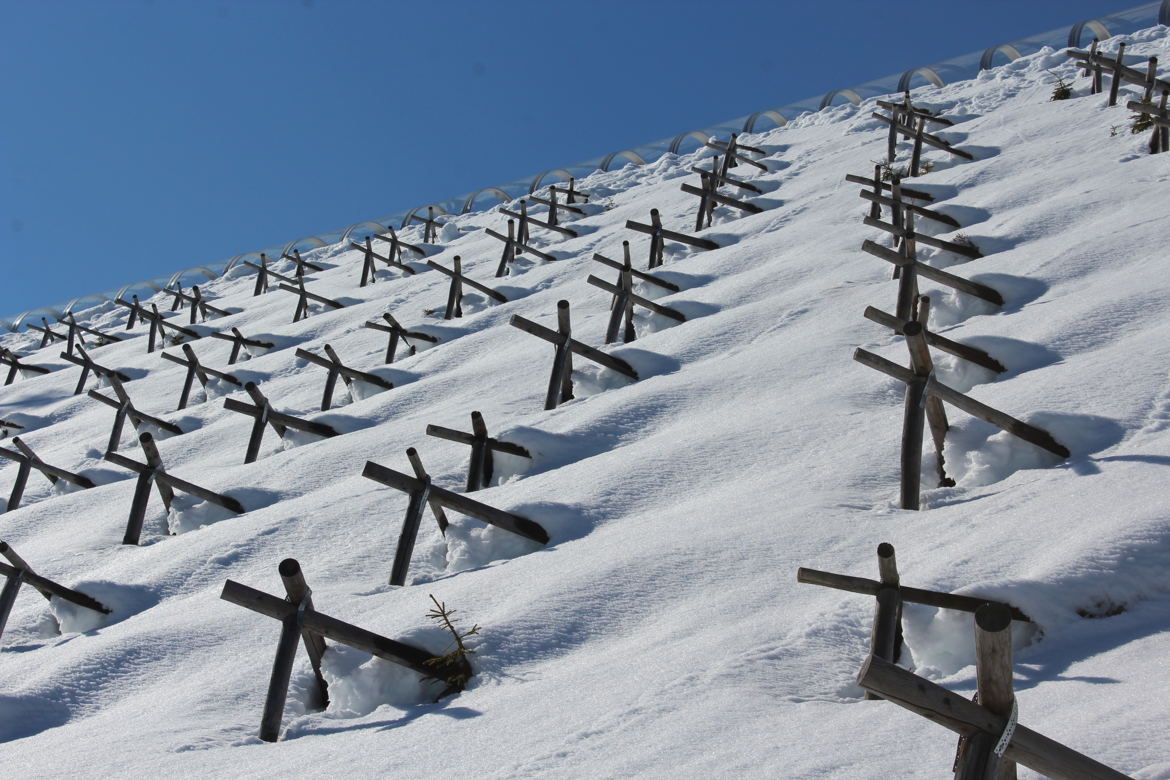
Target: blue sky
140, 137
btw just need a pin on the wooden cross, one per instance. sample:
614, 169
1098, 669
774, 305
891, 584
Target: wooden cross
336, 369
15, 364
886, 635
263, 413
397, 245
921, 211
431, 231
197, 369
152, 472
300, 622
512, 247
455, 292
709, 196
572, 194
28, 461
954, 711
239, 341
48, 334
123, 409
967, 286
479, 470
198, 306
554, 207
137, 312
920, 388
300, 262
878, 185
87, 364
20, 573
966, 352
731, 154
7, 427
526, 220
303, 298
624, 300
642, 275
920, 136
659, 235
369, 269
1160, 117
159, 326
422, 493
907, 114
262, 274
103, 338
560, 383
397, 332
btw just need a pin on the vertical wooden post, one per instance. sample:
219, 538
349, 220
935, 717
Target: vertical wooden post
286, 653
410, 524
1116, 83
875, 208
916, 155
913, 417
552, 205
509, 253
522, 232
138, 507
261, 277
8, 597
560, 383
368, 270
886, 636
993, 672
656, 240
1151, 79
331, 380
298, 592
17, 493
421, 473
479, 472
455, 292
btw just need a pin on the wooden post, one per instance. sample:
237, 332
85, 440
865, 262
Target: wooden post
509, 253
298, 592
886, 636
955, 712
560, 383
479, 472
8, 596
286, 652
993, 671
455, 292
1115, 84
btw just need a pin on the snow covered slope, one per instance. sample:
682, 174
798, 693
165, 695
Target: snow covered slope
661, 632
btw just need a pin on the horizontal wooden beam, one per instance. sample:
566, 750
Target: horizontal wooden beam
907, 192
521, 526
533, 221
500, 236
584, 350
920, 210
927, 138
976, 289
450, 434
682, 238
941, 343
50, 588
1006, 422
922, 113
279, 418
331, 628
928, 598
957, 713
489, 292
750, 208
643, 275
646, 303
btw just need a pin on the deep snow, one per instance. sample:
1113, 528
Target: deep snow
661, 632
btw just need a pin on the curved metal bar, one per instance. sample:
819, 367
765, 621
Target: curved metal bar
203, 269
987, 61
356, 225
750, 125
930, 74
846, 93
291, 244
633, 157
1100, 31
151, 284
677, 142
503, 196
98, 298
565, 175
1164, 13
41, 312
